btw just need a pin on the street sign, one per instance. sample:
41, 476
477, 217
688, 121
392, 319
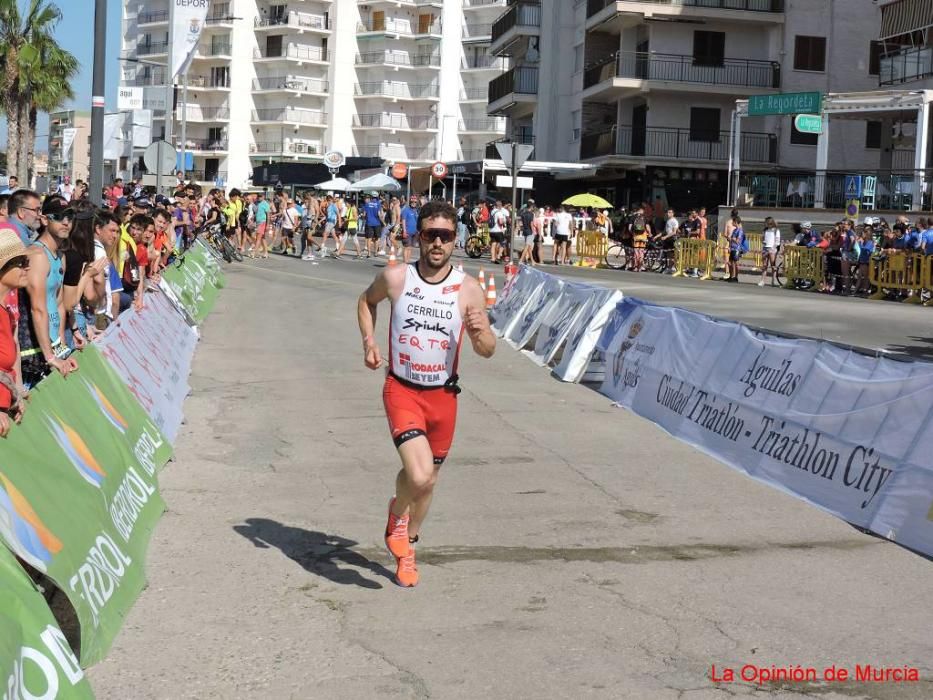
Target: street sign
809, 123
852, 209
160, 158
439, 170
522, 153
522, 183
334, 160
785, 103
129, 98
853, 188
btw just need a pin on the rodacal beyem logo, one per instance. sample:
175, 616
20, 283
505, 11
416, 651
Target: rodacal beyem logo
778, 380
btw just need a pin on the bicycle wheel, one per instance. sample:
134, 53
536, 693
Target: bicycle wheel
654, 260
230, 251
617, 257
474, 246
779, 272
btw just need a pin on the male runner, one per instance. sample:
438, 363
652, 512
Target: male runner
432, 304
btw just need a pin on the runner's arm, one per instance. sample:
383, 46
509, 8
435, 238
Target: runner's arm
476, 319
366, 315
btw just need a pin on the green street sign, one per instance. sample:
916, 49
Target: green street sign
809, 123
785, 103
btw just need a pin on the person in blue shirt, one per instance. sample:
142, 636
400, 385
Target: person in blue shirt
926, 238
263, 208
375, 216
737, 247
24, 208
866, 249
331, 222
409, 226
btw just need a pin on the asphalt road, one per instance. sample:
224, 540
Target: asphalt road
573, 549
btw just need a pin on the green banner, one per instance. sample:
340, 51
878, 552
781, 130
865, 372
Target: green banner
194, 279
35, 658
79, 496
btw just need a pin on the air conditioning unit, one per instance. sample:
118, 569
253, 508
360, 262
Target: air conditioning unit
300, 147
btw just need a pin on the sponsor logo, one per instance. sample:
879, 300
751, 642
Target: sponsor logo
777, 380
106, 408
415, 294
195, 27
451, 289
417, 326
77, 451
20, 526
404, 358
630, 378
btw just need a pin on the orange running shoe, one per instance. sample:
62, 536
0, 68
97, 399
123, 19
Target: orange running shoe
406, 575
396, 536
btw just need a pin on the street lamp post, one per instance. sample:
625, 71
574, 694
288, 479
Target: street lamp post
96, 176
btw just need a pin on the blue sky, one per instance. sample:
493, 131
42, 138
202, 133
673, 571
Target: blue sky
75, 33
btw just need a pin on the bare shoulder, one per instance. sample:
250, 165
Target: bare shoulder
471, 294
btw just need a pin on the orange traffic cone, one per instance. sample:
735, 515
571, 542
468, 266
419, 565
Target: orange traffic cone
392, 260
482, 278
491, 292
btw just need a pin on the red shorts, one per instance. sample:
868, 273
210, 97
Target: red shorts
415, 412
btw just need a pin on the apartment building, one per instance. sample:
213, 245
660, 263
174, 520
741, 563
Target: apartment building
384, 80
75, 162
644, 90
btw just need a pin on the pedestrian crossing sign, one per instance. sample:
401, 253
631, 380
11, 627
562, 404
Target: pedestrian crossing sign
853, 186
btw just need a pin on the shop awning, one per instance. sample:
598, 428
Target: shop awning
905, 16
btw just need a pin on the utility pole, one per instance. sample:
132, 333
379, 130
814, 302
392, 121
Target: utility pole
169, 91
96, 176
514, 218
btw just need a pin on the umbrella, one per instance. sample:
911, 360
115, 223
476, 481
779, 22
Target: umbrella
377, 182
587, 200
338, 184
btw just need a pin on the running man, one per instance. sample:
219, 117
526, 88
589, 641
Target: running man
432, 305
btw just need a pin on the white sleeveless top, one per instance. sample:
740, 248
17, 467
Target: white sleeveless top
426, 329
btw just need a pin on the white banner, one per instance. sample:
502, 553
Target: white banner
526, 325
152, 350
583, 335
187, 25
113, 135
516, 295
844, 431
68, 140
575, 300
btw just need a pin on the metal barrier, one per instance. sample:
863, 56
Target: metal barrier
694, 254
926, 276
754, 256
898, 271
592, 247
801, 263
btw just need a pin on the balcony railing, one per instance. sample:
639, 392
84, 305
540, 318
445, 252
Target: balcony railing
480, 93
396, 121
204, 114
471, 4
491, 124
394, 152
521, 14
299, 20
302, 53
907, 65
205, 144
289, 83
595, 6
390, 25
219, 18
152, 48
290, 116
204, 81
396, 58
484, 62
287, 148
739, 72
493, 153
902, 190
206, 175
400, 90
152, 17
476, 31
676, 144
522, 80
217, 48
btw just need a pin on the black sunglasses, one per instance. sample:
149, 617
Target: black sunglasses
21, 261
445, 234
62, 215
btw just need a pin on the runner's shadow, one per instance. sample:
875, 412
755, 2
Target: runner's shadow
317, 552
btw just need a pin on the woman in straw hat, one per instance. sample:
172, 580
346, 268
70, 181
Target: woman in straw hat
13, 264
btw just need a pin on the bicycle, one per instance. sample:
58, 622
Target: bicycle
480, 243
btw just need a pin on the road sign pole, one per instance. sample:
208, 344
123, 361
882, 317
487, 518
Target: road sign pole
160, 148
514, 200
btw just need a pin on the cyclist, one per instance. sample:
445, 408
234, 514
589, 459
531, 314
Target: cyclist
432, 305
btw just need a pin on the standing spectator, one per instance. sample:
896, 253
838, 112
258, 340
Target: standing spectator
263, 209
737, 246
498, 222
849, 248
464, 216
13, 265
12, 185
409, 216
866, 249
106, 234
84, 278
114, 193
65, 189
291, 223
142, 230
704, 223
181, 213
563, 224
527, 218
771, 246
375, 221
24, 209
331, 222
353, 216
669, 238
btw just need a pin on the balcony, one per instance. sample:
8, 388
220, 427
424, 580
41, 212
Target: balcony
289, 116
493, 125
311, 86
301, 21
515, 88
681, 145
398, 59
395, 122
197, 113
206, 145
206, 82
476, 32
210, 176
389, 26
397, 91
520, 20
628, 71
288, 148
402, 153
492, 153
152, 48
483, 4
222, 50
479, 94
293, 52
906, 66
158, 17
218, 20
487, 62
614, 15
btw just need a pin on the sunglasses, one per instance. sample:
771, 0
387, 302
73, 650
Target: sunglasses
20, 262
64, 215
445, 234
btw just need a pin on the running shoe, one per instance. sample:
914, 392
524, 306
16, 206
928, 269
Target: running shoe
396, 536
381, 252
406, 575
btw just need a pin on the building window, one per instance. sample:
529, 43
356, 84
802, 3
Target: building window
575, 119
874, 57
704, 124
810, 53
578, 58
798, 138
872, 134
709, 48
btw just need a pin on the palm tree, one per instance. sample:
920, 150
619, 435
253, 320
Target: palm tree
56, 69
22, 38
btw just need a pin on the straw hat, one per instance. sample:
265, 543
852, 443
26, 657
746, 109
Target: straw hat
11, 246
